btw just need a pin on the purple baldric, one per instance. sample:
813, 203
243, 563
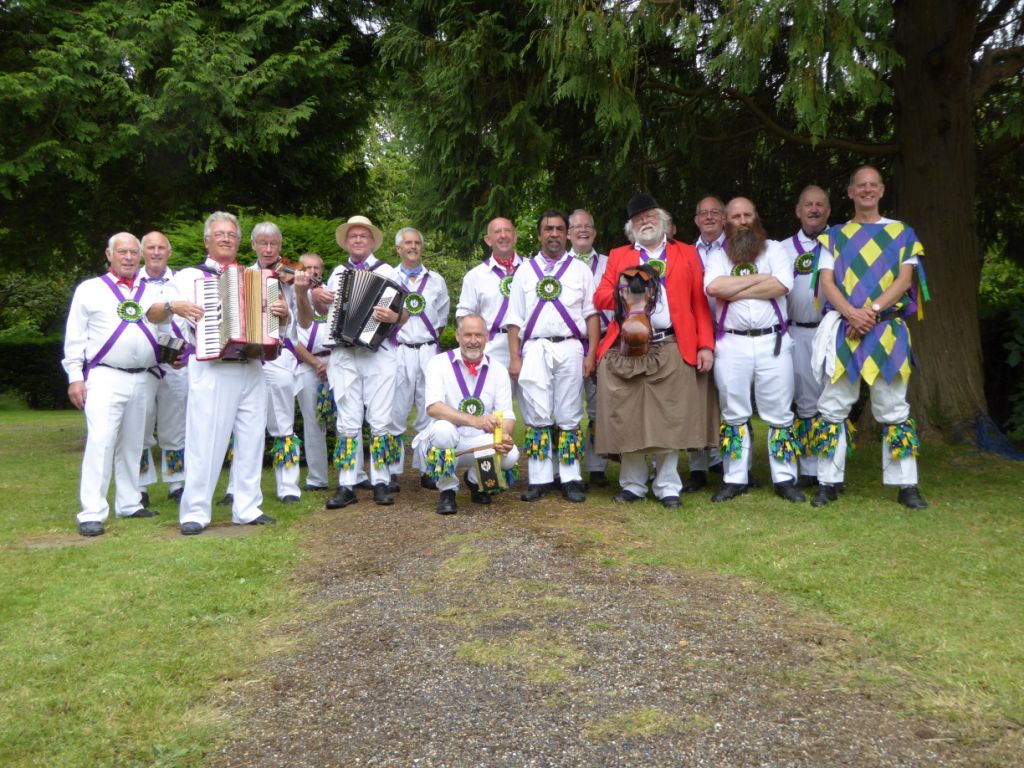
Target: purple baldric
528, 331
461, 380
120, 329
496, 325
393, 337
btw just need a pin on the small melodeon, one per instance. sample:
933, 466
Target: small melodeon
350, 320
237, 323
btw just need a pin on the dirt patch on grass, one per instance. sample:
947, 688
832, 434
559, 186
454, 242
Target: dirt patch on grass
507, 636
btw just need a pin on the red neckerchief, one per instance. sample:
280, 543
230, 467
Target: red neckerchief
473, 368
505, 264
127, 282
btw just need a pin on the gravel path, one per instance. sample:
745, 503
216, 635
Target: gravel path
493, 638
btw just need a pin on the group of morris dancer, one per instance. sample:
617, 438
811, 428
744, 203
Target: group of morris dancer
666, 346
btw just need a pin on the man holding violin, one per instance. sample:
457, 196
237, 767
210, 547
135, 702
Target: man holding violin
656, 402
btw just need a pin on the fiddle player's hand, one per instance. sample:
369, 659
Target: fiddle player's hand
322, 296
302, 281
76, 393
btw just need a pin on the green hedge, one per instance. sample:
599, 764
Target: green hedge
32, 370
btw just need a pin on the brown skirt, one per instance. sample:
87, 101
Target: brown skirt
657, 402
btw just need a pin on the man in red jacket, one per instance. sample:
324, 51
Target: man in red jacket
658, 403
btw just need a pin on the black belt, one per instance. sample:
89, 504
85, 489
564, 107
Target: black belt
556, 339
324, 353
133, 370
805, 325
502, 330
417, 345
756, 331
660, 336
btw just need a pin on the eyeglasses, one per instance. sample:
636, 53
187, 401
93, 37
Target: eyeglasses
267, 243
126, 251
582, 226
715, 212
224, 235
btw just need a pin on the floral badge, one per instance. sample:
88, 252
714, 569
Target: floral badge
505, 286
474, 406
549, 289
748, 268
658, 265
804, 263
129, 311
415, 303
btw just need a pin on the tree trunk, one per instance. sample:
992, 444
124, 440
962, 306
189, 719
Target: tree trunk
935, 193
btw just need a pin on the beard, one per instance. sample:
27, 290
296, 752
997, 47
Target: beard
745, 245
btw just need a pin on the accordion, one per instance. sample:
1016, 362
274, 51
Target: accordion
350, 320
237, 323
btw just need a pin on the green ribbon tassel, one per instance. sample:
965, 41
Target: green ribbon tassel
384, 450
285, 451
803, 433
230, 455
326, 411
902, 439
144, 461
731, 439
537, 443
825, 437
783, 444
512, 475
570, 446
345, 452
441, 463
175, 460
395, 453
851, 437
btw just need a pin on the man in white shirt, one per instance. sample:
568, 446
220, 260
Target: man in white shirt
469, 399
750, 280
551, 314
316, 402
110, 356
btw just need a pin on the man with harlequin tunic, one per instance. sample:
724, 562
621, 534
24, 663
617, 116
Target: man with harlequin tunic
469, 403
582, 234
485, 288
224, 396
416, 341
866, 272
750, 279
110, 356
553, 332
167, 417
363, 380
803, 250
660, 402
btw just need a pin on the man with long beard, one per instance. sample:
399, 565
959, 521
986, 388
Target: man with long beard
750, 279
657, 403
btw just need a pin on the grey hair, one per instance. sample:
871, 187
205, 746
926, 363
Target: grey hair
458, 320
400, 233
264, 228
110, 242
720, 206
311, 255
142, 242
220, 216
663, 217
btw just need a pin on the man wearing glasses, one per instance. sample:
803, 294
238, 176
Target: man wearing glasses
110, 355
224, 396
657, 403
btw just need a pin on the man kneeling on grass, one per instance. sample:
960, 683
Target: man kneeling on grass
469, 397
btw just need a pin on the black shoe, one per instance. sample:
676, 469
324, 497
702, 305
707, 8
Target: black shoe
366, 485
671, 502
394, 487
381, 495
597, 479
729, 491
227, 501
191, 529
716, 469
140, 513
475, 494
316, 487
175, 495
446, 504
342, 498
90, 528
790, 492
262, 520
806, 481
289, 499
698, 479
144, 499
426, 481
753, 482
910, 497
535, 492
825, 494
573, 491
626, 497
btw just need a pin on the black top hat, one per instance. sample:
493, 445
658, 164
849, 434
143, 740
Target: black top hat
640, 202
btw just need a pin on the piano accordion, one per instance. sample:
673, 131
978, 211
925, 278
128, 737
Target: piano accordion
350, 320
237, 323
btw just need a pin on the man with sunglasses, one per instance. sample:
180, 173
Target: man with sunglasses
658, 403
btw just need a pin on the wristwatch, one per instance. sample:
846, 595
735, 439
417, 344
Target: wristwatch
876, 307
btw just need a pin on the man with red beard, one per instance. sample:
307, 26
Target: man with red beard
749, 279
657, 403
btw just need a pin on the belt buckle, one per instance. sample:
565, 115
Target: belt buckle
657, 336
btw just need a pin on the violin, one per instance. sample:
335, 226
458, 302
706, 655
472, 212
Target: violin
286, 269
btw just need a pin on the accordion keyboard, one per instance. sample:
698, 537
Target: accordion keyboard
208, 327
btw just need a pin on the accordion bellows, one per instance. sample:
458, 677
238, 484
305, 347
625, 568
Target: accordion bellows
350, 320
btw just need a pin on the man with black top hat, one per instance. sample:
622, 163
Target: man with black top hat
657, 403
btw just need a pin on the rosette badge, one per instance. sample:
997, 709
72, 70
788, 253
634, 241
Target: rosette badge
505, 286
658, 265
129, 311
804, 263
549, 289
474, 406
415, 303
748, 268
